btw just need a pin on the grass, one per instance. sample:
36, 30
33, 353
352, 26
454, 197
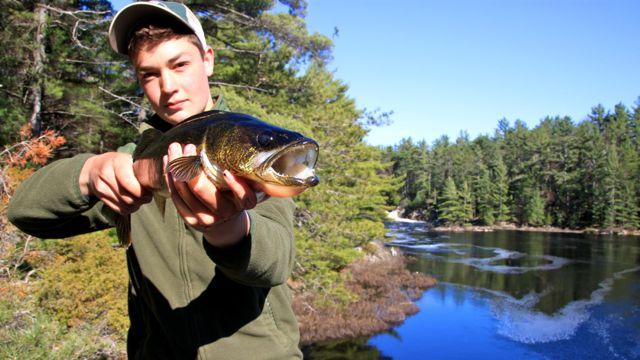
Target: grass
28, 332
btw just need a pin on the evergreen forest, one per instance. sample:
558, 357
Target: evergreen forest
561, 173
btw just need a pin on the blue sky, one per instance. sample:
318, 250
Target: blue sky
447, 66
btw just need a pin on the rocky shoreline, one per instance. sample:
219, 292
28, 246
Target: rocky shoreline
548, 229
394, 216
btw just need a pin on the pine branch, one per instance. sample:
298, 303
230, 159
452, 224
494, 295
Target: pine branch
68, 113
218, 83
94, 62
123, 98
75, 13
124, 118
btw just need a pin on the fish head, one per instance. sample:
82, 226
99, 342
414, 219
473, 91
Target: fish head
276, 161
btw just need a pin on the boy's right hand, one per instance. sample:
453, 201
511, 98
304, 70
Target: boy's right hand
110, 178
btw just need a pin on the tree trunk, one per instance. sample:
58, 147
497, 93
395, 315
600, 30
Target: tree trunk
37, 89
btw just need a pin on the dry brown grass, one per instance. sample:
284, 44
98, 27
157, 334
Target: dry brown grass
385, 291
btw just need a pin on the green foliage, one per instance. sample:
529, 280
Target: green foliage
76, 67
534, 210
450, 209
87, 284
558, 173
29, 332
466, 203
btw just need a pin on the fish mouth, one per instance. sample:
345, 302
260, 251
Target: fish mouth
293, 164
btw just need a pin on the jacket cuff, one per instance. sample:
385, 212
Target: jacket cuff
76, 197
235, 258
262, 259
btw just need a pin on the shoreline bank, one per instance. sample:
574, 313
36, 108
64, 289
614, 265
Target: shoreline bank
545, 229
386, 293
394, 216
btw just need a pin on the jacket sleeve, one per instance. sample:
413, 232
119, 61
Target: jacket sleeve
265, 257
49, 203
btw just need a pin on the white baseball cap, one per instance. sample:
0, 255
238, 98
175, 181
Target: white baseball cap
131, 15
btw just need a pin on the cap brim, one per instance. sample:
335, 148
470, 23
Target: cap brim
127, 18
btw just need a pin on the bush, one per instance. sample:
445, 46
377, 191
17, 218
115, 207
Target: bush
87, 284
27, 332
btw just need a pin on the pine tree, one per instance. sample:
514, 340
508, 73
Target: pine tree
484, 197
609, 206
450, 209
501, 197
534, 210
466, 203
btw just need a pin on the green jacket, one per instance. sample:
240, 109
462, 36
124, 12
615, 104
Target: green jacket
187, 299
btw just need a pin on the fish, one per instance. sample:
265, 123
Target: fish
274, 161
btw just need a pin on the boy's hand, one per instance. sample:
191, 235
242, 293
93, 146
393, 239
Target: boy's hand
219, 215
110, 177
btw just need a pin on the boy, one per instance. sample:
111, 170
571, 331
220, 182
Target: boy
207, 277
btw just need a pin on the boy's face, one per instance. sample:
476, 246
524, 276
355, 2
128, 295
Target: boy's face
174, 77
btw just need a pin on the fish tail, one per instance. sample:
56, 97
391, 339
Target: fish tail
123, 229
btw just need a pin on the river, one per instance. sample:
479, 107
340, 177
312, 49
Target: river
512, 295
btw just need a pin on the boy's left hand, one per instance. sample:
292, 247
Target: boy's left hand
219, 215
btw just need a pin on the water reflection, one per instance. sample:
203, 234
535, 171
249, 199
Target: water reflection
357, 349
513, 294
519, 321
561, 267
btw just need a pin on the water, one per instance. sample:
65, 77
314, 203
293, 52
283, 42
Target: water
513, 295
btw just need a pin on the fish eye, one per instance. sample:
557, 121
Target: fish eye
265, 138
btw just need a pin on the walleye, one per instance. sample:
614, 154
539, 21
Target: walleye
274, 161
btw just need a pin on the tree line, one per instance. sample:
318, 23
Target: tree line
559, 173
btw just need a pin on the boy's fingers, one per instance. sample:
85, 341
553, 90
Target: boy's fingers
191, 208
182, 208
175, 151
126, 178
206, 192
200, 210
189, 150
199, 200
241, 190
107, 188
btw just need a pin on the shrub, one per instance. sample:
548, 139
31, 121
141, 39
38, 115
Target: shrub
27, 332
87, 284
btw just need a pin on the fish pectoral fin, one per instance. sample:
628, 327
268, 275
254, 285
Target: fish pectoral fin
185, 168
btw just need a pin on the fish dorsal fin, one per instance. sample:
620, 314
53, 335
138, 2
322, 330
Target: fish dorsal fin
199, 117
185, 168
148, 136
